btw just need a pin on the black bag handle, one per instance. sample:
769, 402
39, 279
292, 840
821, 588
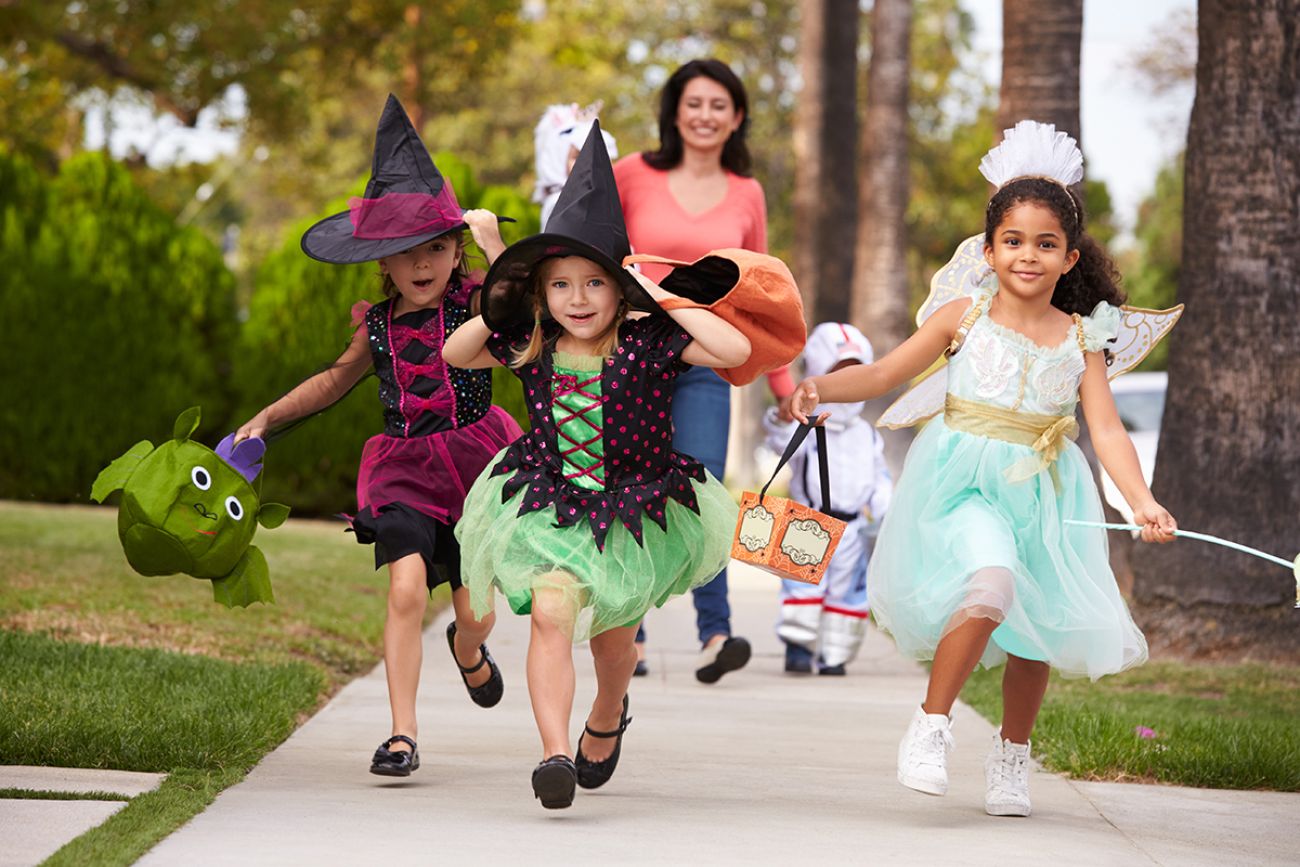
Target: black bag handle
801, 434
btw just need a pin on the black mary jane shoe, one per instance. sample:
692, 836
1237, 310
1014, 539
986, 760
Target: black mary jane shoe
488, 693
395, 763
554, 782
593, 775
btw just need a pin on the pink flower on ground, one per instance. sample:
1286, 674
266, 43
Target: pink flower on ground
1145, 733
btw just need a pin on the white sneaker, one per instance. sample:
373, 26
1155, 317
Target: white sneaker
1006, 771
923, 753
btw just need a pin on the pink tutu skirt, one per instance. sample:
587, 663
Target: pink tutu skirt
432, 474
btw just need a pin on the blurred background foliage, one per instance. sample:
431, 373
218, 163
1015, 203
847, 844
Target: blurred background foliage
139, 285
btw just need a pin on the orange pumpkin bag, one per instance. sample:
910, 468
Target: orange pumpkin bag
754, 292
783, 536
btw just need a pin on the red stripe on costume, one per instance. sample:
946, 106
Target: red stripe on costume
817, 601
846, 612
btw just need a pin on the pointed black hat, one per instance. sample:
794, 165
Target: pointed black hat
407, 201
587, 222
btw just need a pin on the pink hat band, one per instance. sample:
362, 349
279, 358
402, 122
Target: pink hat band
403, 215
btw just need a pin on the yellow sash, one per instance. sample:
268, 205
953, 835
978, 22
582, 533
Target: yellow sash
1045, 434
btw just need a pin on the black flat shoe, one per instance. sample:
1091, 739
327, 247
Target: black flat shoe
554, 782
593, 775
488, 693
730, 655
641, 669
395, 763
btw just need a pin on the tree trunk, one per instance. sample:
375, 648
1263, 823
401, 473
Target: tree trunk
1229, 456
412, 74
880, 289
825, 137
1041, 45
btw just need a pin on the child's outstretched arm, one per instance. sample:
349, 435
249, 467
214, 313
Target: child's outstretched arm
715, 343
314, 393
486, 232
466, 347
867, 381
1116, 453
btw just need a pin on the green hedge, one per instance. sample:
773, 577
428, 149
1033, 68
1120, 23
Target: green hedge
299, 321
114, 319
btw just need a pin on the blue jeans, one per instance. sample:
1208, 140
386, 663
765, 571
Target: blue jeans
701, 422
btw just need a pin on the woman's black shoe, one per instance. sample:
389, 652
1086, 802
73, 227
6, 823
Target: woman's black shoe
488, 693
395, 763
593, 775
553, 782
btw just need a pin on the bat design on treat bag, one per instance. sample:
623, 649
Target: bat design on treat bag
187, 509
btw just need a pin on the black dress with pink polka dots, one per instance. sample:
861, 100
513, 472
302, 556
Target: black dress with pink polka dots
641, 470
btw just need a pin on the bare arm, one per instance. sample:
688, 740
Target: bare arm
866, 381
715, 342
316, 392
1116, 453
466, 347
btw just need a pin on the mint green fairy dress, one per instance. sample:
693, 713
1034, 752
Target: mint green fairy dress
977, 525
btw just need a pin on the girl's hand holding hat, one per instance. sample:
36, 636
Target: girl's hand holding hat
485, 231
653, 289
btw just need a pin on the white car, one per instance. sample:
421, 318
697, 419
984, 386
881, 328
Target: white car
1140, 399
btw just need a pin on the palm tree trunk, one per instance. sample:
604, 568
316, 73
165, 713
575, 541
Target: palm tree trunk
1041, 45
825, 137
880, 290
1229, 456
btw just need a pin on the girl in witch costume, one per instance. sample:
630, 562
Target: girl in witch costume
591, 518
976, 561
440, 428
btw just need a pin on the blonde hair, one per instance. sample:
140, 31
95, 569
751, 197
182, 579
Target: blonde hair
532, 350
461, 270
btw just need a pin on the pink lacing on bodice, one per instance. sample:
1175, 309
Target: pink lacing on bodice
565, 384
430, 335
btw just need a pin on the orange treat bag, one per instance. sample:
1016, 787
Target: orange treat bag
783, 536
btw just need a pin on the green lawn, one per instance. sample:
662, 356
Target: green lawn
1215, 726
104, 668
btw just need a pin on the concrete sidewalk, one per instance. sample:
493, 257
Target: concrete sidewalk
761, 768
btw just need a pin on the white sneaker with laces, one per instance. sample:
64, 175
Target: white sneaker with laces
923, 753
1006, 771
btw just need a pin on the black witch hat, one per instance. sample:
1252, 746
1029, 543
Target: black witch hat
587, 222
407, 201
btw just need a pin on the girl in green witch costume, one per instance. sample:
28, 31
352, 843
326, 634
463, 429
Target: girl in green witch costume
440, 428
591, 518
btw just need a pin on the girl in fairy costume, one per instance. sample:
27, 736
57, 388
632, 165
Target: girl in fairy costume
591, 518
440, 428
976, 562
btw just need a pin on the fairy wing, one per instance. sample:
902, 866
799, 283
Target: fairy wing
922, 401
962, 277
1139, 332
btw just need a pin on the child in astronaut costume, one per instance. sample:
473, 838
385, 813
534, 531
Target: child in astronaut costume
828, 620
556, 142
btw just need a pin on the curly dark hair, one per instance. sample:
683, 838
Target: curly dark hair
735, 153
1094, 277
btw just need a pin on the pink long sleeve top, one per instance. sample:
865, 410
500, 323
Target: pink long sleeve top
657, 224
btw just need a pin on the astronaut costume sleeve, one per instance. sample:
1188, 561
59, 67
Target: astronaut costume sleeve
830, 619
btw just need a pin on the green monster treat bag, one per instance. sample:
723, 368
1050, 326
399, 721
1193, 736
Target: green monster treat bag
187, 509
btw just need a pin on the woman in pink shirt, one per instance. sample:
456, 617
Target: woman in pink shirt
691, 196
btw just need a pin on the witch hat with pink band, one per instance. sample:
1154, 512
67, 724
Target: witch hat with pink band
407, 201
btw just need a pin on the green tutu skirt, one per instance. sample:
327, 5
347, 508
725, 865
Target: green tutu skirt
581, 589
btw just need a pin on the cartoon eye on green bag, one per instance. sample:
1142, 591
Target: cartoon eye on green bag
187, 509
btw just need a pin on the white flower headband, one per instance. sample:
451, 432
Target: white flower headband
1035, 150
